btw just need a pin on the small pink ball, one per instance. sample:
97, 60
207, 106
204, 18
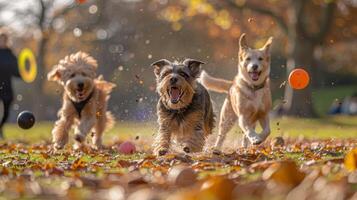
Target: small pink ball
127, 147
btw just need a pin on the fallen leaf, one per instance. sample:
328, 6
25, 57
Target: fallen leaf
182, 176
284, 172
351, 160
218, 188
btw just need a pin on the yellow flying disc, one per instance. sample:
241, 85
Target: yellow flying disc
28, 75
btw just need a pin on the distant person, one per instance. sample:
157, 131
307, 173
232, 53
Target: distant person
347, 107
8, 69
335, 108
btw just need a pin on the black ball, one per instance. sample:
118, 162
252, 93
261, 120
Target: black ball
26, 119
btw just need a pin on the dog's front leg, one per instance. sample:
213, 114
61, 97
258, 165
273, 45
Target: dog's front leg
80, 133
99, 128
226, 122
249, 130
162, 140
264, 123
245, 141
194, 138
60, 131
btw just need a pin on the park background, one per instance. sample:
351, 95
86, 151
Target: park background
314, 159
126, 36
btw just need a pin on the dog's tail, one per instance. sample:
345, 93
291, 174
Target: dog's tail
103, 85
215, 84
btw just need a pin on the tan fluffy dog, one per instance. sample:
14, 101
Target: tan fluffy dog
249, 97
84, 100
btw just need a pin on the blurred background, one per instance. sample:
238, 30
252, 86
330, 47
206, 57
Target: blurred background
125, 36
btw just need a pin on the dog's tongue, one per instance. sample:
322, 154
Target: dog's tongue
254, 75
80, 94
175, 94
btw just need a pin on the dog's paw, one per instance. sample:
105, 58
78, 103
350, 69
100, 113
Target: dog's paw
161, 152
79, 138
57, 146
217, 152
187, 149
97, 147
255, 139
78, 146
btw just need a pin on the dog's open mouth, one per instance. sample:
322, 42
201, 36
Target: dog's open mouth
80, 93
254, 75
175, 94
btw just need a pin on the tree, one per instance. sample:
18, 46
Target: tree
45, 24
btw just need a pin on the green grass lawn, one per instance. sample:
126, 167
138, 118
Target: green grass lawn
339, 127
323, 97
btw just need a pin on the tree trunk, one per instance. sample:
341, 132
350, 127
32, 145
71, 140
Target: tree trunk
300, 55
40, 98
299, 102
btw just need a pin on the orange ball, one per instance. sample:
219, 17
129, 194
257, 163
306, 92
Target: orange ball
299, 79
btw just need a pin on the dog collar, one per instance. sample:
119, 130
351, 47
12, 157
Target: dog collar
255, 87
80, 105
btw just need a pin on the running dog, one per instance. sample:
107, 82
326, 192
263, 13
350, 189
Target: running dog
184, 109
85, 100
249, 97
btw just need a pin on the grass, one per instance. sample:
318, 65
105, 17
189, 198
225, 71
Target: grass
323, 98
336, 127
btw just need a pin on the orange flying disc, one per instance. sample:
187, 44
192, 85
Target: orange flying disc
81, 1
299, 79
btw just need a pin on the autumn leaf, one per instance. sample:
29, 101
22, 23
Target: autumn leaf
284, 172
4, 171
351, 160
78, 164
217, 188
182, 176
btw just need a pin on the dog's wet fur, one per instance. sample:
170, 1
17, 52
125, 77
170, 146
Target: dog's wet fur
184, 109
249, 96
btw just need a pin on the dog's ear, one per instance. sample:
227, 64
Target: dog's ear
267, 46
158, 66
194, 66
243, 42
55, 74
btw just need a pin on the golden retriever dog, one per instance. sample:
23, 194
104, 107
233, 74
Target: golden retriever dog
85, 100
249, 97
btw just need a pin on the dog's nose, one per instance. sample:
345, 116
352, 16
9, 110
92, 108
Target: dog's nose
255, 67
173, 80
80, 86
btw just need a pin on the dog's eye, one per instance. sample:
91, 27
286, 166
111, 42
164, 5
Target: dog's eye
248, 59
184, 74
165, 74
72, 75
83, 74
260, 58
